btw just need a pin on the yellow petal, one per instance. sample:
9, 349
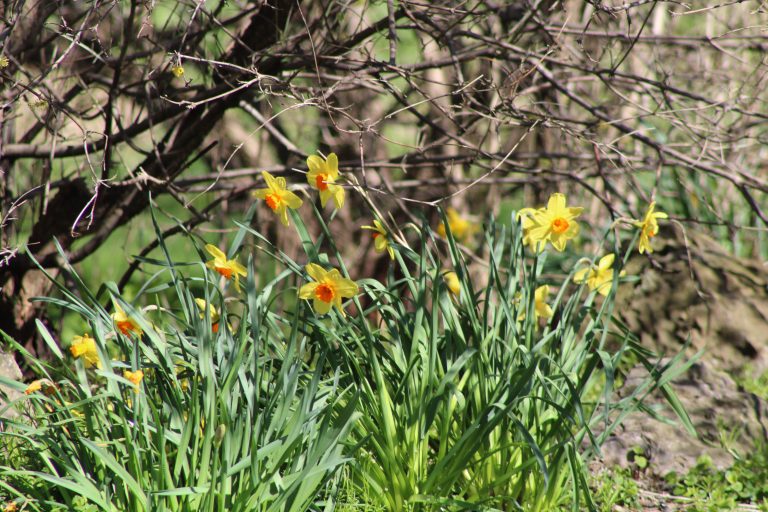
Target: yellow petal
282, 212
237, 268
315, 164
292, 200
338, 196
215, 252
579, 275
269, 180
325, 195
332, 165
322, 307
307, 291
346, 288
381, 243
556, 202
606, 262
316, 272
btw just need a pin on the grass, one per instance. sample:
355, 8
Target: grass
418, 399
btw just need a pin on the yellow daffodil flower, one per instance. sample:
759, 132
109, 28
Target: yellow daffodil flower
124, 323
322, 175
178, 71
598, 278
278, 197
380, 238
135, 378
4, 62
48, 387
11, 507
649, 227
556, 223
223, 266
33, 387
328, 288
213, 313
452, 282
84, 346
540, 307
461, 228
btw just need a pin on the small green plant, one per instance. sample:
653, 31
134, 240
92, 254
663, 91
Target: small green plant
615, 487
745, 482
638, 458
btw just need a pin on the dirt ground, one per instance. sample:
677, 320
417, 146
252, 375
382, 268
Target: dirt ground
692, 290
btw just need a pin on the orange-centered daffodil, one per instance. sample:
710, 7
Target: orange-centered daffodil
277, 196
322, 175
84, 346
649, 227
223, 266
556, 223
380, 238
123, 322
201, 305
328, 288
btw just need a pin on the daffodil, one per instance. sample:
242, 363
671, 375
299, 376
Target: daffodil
4, 62
223, 266
380, 238
201, 305
461, 228
84, 346
598, 278
277, 196
124, 323
178, 71
322, 175
33, 387
48, 387
556, 223
135, 378
10, 507
649, 227
452, 282
328, 288
540, 307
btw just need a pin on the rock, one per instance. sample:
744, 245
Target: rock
9, 370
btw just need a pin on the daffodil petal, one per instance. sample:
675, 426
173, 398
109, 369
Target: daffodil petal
315, 271
322, 307
606, 262
332, 165
215, 252
315, 163
307, 291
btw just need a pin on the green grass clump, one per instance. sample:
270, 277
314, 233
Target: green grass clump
419, 398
